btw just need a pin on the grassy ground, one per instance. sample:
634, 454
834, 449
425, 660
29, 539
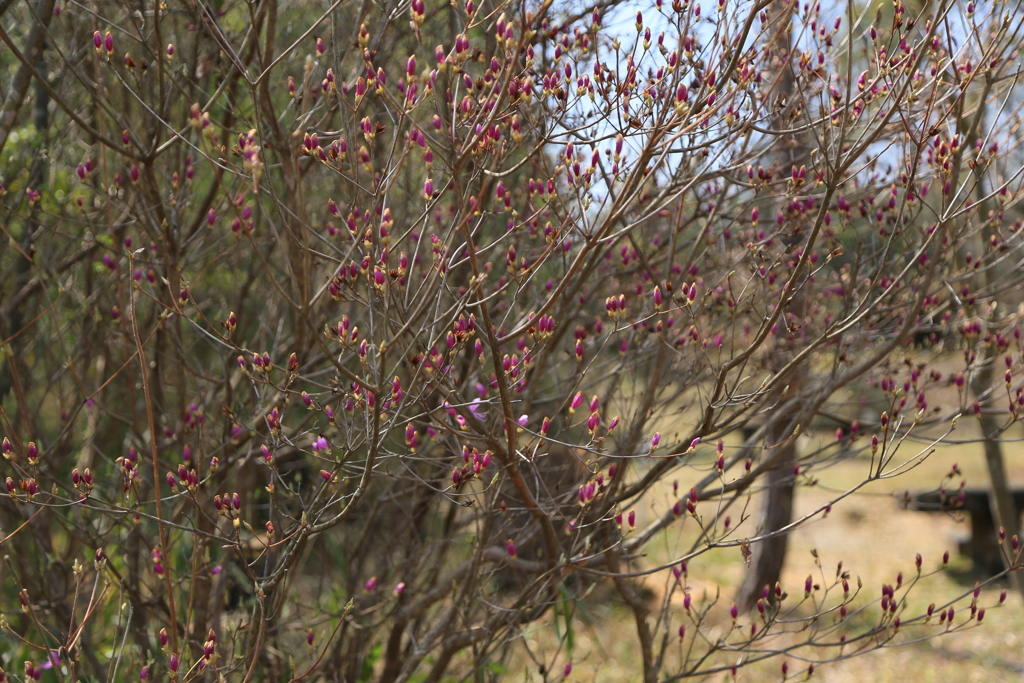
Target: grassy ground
874, 538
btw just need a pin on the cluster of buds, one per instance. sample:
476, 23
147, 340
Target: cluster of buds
128, 467
344, 331
200, 122
33, 672
82, 481
229, 507
84, 169
187, 477
889, 601
311, 147
630, 519
209, 650
250, 152
104, 44
262, 363
590, 489
545, 327
418, 11
475, 463
615, 306
459, 55
463, 328
504, 31
29, 487
320, 445
274, 421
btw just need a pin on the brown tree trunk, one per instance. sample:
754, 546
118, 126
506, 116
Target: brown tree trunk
769, 555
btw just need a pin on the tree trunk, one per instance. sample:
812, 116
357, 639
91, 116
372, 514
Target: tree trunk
776, 512
769, 555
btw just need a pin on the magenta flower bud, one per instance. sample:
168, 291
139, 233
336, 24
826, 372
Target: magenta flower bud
687, 600
734, 611
400, 588
523, 419
945, 557
410, 66
631, 518
371, 583
510, 547
172, 663
97, 40
236, 501
655, 440
108, 42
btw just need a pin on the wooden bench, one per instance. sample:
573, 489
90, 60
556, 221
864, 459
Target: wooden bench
982, 546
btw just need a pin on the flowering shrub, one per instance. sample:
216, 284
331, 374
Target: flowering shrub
334, 355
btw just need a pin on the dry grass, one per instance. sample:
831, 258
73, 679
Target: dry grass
874, 538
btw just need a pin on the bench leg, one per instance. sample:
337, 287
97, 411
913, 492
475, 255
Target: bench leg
983, 546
